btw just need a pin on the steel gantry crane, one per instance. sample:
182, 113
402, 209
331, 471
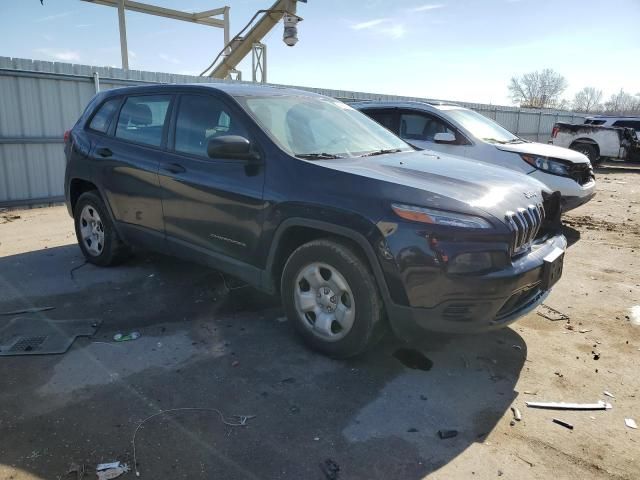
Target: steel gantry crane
236, 49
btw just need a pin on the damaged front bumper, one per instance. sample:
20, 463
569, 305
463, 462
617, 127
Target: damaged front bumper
490, 301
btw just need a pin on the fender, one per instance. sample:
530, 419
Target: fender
358, 238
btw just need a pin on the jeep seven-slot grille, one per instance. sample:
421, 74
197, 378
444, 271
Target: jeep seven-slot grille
524, 224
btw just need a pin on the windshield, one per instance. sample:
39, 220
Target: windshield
481, 126
320, 127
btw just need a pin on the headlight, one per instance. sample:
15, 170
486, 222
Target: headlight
438, 217
546, 164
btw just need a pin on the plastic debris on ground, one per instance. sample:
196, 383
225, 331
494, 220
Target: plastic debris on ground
631, 423
516, 414
563, 423
108, 471
443, 434
119, 337
608, 394
600, 405
28, 310
635, 315
550, 313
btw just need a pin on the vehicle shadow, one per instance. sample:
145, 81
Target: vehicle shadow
571, 234
207, 346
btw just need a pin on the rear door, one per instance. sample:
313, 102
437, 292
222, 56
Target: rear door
419, 128
210, 204
128, 158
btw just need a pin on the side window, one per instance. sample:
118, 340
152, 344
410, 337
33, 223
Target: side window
635, 124
201, 118
383, 118
142, 119
102, 119
418, 126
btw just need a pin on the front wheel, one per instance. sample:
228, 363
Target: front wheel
330, 296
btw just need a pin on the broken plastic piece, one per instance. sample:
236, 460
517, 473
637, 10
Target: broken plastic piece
447, 433
563, 423
119, 337
570, 406
111, 473
552, 314
516, 413
631, 423
608, 394
107, 466
28, 310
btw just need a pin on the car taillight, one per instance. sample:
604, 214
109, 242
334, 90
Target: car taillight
554, 132
67, 136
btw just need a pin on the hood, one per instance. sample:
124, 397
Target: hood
544, 150
448, 182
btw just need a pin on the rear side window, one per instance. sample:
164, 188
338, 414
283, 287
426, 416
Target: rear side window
142, 119
201, 118
383, 118
635, 124
102, 119
594, 122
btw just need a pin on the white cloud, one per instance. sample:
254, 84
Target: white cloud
53, 17
427, 7
169, 59
369, 24
396, 31
62, 55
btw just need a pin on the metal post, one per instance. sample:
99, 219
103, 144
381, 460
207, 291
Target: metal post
517, 123
96, 81
539, 123
259, 62
122, 25
225, 19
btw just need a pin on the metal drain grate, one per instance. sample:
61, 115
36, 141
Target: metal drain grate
27, 344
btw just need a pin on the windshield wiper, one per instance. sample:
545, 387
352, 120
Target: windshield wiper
516, 140
381, 152
317, 156
493, 140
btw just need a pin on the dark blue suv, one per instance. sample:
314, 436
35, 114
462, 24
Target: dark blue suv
300, 194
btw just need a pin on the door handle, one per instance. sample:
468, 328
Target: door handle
174, 168
104, 152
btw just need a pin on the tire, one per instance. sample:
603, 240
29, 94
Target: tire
587, 149
97, 238
327, 279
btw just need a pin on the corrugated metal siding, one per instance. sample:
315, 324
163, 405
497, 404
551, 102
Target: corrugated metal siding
40, 100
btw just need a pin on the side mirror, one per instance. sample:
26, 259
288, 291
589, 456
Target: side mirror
231, 146
444, 137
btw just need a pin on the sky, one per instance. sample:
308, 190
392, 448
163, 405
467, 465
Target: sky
465, 50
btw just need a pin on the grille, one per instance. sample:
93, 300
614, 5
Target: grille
581, 173
524, 224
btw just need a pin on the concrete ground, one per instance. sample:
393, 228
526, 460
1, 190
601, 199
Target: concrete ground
207, 345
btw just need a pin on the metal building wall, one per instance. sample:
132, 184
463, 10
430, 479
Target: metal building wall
40, 100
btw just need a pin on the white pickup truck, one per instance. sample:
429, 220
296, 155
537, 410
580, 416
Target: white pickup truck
598, 142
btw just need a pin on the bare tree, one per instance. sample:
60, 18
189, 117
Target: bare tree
587, 100
540, 89
623, 103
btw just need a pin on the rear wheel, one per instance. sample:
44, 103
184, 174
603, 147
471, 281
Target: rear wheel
590, 151
331, 298
96, 235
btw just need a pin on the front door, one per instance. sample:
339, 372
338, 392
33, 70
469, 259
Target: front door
420, 128
210, 204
